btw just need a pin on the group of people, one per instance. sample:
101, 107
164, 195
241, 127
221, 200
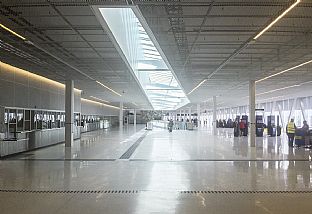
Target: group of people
181, 124
225, 124
291, 131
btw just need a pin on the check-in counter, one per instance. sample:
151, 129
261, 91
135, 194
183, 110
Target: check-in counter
34, 139
88, 127
47, 137
8, 147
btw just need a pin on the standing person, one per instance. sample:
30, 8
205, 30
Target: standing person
236, 128
305, 127
242, 127
290, 130
170, 126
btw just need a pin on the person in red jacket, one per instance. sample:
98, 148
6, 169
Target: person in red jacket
242, 127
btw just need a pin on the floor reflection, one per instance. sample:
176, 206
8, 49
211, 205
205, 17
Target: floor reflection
163, 165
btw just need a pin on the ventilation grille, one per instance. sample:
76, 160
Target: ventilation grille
195, 192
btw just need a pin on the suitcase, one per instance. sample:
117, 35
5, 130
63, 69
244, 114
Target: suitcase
299, 140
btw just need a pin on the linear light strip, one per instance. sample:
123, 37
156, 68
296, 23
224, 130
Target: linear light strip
272, 98
199, 84
19, 71
278, 18
245, 45
108, 88
105, 101
283, 88
281, 72
278, 89
12, 32
95, 102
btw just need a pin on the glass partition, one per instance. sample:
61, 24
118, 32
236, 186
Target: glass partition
38, 119
32, 120
53, 120
12, 123
62, 119
20, 120
27, 121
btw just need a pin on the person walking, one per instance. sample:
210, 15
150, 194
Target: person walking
242, 127
290, 130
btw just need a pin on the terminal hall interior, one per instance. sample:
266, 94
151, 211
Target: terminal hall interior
155, 106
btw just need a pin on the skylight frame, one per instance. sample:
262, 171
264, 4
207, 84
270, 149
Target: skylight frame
152, 53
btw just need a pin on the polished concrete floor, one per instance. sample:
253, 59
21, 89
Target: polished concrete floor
138, 171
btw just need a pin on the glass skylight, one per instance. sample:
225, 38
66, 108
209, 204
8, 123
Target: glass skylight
143, 57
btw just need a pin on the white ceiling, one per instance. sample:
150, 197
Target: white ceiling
196, 36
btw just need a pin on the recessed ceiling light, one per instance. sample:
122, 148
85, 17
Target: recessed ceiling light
199, 84
105, 101
278, 18
281, 72
95, 102
12, 32
108, 88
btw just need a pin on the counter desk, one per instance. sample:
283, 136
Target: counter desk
35, 139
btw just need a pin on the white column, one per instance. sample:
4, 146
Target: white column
180, 117
231, 113
214, 114
69, 112
134, 117
252, 112
120, 114
198, 113
190, 114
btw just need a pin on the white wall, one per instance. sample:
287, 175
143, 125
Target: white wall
90, 108
20, 88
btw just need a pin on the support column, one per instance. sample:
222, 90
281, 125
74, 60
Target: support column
134, 117
120, 114
190, 114
180, 117
231, 113
252, 112
214, 113
198, 113
69, 112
